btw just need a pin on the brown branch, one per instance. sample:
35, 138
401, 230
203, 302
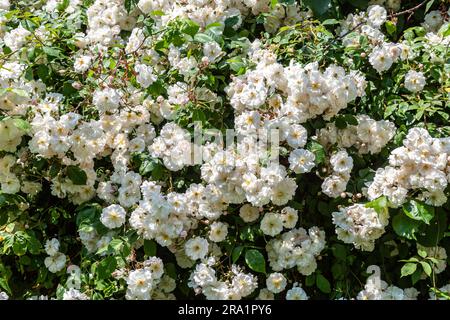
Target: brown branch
411, 10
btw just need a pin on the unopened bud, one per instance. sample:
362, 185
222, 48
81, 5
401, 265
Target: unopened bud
77, 85
205, 60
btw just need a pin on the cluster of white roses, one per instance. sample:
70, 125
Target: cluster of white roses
341, 166
384, 54
360, 225
56, 260
106, 19
296, 248
205, 13
272, 223
377, 289
168, 218
204, 280
368, 136
173, 146
148, 282
277, 283
308, 92
241, 177
267, 96
72, 5
420, 164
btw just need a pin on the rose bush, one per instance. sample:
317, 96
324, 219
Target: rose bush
117, 182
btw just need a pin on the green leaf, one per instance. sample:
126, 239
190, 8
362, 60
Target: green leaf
422, 253
287, 2
318, 151
43, 72
413, 259
428, 6
130, 4
426, 268
4, 284
212, 25
391, 27
34, 246
237, 251
116, 245
323, 284
171, 270
408, 269
147, 166
19, 92
53, 52
8, 241
190, 27
231, 21
247, 233
330, 22
380, 204
203, 38
310, 280
20, 244
22, 124
405, 227
3, 199
419, 211
361, 4
157, 88
236, 64
106, 267
76, 175
446, 31
323, 208
340, 123
255, 260
150, 248
319, 7
416, 276
339, 251
430, 235
4, 217
351, 119
54, 169
158, 172
88, 214
157, 13
63, 5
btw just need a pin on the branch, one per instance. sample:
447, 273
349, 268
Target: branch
411, 10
